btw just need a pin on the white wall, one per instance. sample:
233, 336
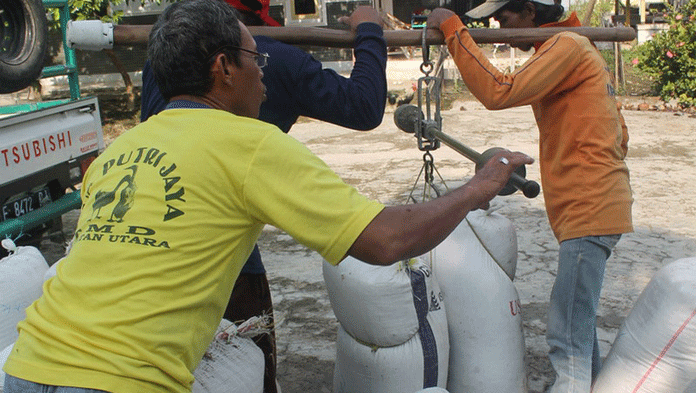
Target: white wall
646, 31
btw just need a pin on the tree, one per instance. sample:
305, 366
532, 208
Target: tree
670, 56
101, 10
597, 11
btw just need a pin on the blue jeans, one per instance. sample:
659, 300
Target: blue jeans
571, 329
18, 385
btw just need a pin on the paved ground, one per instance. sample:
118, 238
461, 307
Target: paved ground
384, 164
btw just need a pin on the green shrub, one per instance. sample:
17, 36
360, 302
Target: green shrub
670, 57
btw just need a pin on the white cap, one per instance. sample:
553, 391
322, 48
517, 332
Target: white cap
491, 6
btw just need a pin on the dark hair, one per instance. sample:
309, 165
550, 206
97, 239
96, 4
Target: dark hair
544, 13
183, 41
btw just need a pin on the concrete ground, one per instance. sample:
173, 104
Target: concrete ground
384, 164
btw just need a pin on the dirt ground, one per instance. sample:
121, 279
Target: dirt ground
384, 164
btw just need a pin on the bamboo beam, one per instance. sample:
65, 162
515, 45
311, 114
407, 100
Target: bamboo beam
137, 35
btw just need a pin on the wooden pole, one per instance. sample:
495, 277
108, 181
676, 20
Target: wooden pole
628, 13
616, 51
137, 35
617, 65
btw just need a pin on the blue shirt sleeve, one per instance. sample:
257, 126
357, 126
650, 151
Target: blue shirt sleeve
298, 85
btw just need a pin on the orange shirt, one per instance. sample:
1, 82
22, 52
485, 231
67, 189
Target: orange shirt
583, 139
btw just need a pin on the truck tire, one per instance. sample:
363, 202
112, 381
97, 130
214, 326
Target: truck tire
24, 42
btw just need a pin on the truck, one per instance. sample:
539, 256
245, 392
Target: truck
45, 147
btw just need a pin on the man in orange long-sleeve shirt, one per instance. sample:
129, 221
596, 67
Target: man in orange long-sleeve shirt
582, 146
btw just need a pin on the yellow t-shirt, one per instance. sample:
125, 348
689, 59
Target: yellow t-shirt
171, 211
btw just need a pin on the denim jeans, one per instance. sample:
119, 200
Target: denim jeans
18, 385
571, 329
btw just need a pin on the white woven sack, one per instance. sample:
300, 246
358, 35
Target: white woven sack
655, 348
234, 367
432, 390
419, 362
497, 235
21, 278
483, 313
375, 304
690, 389
3, 358
51, 272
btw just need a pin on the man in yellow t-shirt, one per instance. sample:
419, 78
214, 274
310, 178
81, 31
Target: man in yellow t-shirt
583, 142
173, 208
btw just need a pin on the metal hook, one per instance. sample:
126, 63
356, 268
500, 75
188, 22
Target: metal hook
429, 169
428, 165
427, 66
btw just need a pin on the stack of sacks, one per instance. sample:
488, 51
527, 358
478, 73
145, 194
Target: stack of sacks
475, 267
230, 365
21, 279
655, 348
393, 327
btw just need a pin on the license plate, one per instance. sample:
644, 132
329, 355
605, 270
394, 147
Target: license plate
26, 204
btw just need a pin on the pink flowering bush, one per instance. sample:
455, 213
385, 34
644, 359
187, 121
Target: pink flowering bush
670, 57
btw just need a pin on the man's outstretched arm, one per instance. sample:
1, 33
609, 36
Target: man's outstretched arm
401, 232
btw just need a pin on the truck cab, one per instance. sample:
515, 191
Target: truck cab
45, 147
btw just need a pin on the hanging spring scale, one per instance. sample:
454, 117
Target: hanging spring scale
427, 125
428, 96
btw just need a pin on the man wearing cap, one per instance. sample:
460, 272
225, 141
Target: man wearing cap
298, 85
582, 146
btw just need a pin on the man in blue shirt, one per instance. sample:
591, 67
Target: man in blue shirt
297, 85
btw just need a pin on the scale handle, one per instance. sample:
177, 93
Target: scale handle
529, 188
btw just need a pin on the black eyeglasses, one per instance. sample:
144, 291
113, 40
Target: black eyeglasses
261, 59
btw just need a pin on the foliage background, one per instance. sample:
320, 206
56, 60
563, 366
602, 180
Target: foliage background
670, 57
666, 64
